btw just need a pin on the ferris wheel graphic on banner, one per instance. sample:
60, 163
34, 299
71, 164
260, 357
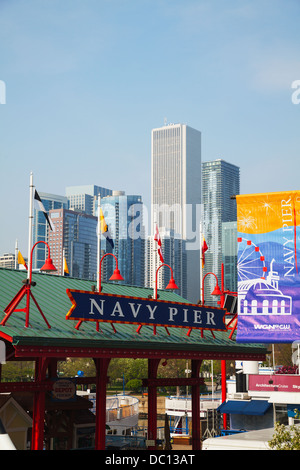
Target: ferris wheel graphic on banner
251, 261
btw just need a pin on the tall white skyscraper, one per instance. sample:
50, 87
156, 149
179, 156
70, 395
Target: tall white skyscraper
176, 191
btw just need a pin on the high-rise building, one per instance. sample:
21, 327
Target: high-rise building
75, 236
229, 255
220, 181
40, 227
82, 198
176, 192
124, 217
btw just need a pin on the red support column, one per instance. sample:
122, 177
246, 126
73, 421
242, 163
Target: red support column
152, 402
37, 441
101, 380
196, 428
223, 374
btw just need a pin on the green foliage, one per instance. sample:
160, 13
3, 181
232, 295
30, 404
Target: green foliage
70, 367
131, 368
19, 371
285, 437
135, 385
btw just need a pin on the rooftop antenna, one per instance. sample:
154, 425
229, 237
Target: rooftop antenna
165, 121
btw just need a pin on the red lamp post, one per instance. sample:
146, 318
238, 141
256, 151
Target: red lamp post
171, 285
116, 275
26, 291
220, 292
216, 290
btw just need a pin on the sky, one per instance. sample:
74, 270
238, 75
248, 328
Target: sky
83, 83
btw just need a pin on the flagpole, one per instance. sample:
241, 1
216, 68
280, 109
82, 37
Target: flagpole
16, 254
153, 259
201, 262
63, 263
98, 244
30, 224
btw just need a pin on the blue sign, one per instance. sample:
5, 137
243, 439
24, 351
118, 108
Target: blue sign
91, 306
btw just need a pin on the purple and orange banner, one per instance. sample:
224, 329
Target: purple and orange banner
268, 267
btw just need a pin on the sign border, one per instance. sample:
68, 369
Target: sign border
69, 293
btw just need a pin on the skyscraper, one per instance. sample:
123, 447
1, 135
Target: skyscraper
76, 235
82, 198
176, 191
40, 227
220, 181
229, 254
124, 216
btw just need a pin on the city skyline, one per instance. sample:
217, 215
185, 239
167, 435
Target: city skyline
85, 82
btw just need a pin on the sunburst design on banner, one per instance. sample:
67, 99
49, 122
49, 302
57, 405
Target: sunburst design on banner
266, 205
246, 221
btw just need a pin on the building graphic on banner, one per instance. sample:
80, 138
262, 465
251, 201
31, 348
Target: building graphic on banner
268, 271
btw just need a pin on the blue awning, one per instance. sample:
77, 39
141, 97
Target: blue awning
241, 407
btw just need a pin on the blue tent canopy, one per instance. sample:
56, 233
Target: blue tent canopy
241, 407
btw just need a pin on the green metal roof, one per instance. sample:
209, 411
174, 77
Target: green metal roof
50, 293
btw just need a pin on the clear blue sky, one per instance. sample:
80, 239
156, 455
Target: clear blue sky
87, 80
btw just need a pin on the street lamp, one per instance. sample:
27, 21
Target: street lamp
216, 290
172, 285
116, 274
115, 277
26, 291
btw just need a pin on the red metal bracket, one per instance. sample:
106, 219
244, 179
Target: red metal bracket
232, 325
11, 307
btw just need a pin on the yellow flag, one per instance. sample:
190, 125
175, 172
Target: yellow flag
21, 260
103, 224
66, 269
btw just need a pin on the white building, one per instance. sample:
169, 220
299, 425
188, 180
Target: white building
176, 191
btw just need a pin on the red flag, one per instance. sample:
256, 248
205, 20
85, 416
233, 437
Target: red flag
158, 240
204, 249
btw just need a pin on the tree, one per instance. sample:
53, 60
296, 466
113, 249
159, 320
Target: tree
135, 385
285, 437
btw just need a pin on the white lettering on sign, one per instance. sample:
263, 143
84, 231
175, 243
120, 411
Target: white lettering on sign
173, 311
135, 311
95, 304
118, 310
151, 310
197, 317
210, 318
147, 312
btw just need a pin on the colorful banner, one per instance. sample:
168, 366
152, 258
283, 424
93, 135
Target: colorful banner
268, 267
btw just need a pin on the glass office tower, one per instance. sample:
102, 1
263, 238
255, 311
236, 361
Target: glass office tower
82, 198
40, 227
75, 235
229, 255
220, 181
124, 216
176, 192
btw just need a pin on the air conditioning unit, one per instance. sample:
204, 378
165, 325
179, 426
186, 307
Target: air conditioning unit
240, 396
